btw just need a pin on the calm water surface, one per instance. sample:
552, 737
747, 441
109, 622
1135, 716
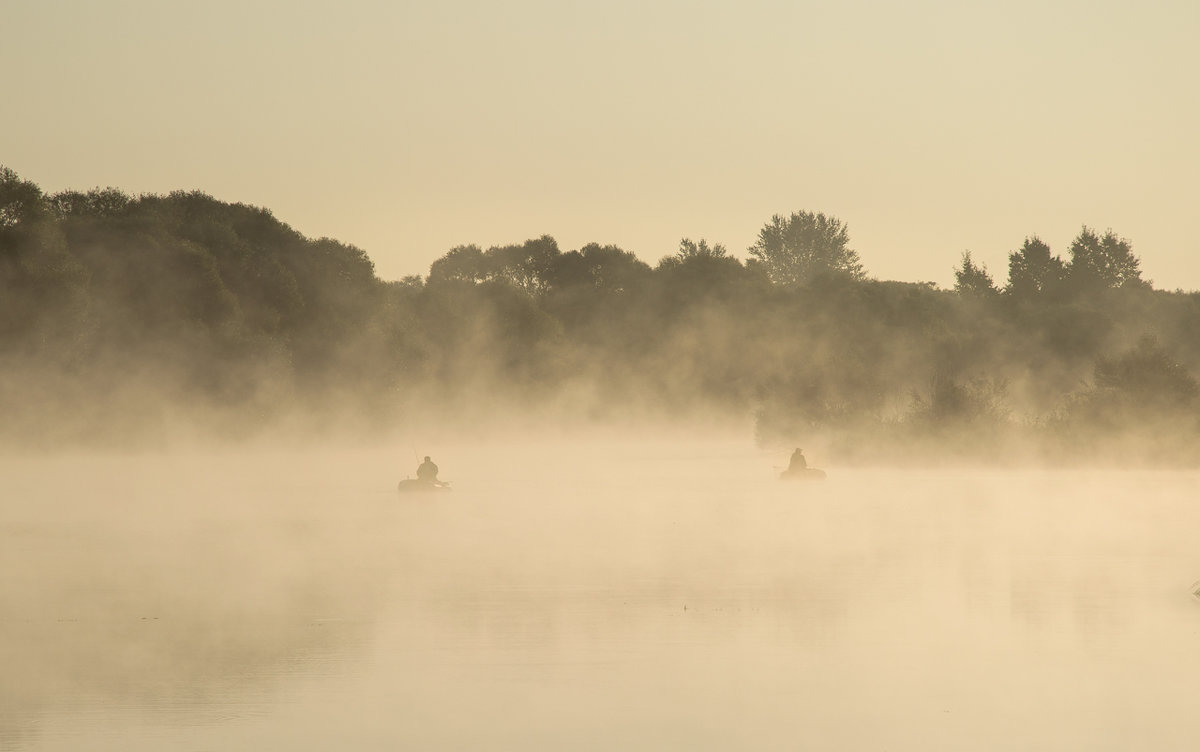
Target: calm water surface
592, 596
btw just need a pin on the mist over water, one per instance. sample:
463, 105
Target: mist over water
591, 592
205, 412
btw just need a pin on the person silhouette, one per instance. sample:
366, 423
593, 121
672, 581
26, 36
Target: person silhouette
796, 464
427, 471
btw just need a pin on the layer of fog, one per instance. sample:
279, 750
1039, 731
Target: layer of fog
187, 583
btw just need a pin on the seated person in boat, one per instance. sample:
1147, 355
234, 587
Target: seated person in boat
427, 471
797, 463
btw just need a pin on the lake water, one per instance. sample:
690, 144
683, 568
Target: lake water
592, 595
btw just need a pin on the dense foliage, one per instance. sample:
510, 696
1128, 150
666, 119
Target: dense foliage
129, 318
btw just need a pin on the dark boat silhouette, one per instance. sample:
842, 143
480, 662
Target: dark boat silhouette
415, 485
803, 473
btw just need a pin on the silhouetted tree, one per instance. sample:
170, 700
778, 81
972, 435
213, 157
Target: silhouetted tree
972, 279
98, 202
1102, 262
43, 288
689, 249
464, 263
21, 201
697, 276
612, 269
698, 270
805, 246
159, 299
528, 265
1032, 270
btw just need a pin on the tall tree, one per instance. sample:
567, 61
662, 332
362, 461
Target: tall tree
973, 279
1100, 262
1033, 270
689, 249
21, 201
612, 269
805, 246
528, 265
465, 263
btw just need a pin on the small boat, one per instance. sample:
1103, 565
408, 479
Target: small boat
803, 473
414, 485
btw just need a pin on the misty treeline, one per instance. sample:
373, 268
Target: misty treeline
133, 319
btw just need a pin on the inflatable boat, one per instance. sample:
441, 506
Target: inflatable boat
412, 485
803, 473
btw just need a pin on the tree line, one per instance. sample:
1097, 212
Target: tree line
123, 318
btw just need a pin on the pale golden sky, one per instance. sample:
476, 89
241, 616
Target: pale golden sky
930, 127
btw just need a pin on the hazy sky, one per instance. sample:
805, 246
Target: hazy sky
930, 126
